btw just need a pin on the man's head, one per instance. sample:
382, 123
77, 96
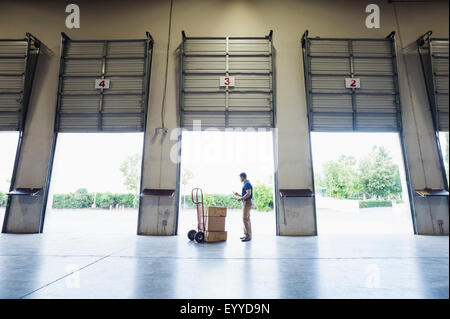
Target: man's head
243, 177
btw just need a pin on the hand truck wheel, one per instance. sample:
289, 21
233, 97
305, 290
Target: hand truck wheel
200, 237
191, 234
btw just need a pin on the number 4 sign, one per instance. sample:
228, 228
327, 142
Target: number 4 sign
226, 81
101, 83
351, 83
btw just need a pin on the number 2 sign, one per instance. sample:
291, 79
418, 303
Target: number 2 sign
226, 81
351, 83
101, 83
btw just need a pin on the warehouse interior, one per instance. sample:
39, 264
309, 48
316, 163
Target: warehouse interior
157, 68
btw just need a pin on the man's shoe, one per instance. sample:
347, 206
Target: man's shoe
243, 237
246, 239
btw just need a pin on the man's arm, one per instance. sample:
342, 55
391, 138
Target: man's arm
247, 194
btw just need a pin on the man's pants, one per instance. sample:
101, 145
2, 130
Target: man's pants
247, 206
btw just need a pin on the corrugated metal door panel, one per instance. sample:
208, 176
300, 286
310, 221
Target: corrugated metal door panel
440, 48
9, 121
75, 49
120, 103
330, 66
374, 122
124, 85
205, 119
248, 46
204, 101
11, 84
201, 83
83, 108
332, 103
204, 64
372, 48
204, 46
126, 48
12, 73
252, 83
12, 66
83, 67
124, 67
328, 48
248, 60
443, 121
76, 123
328, 84
10, 102
376, 103
246, 120
441, 84
373, 66
250, 102
13, 48
380, 85
332, 122
79, 85
333, 107
440, 66
80, 104
123, 123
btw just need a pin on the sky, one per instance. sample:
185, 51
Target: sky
92, 160
217, 158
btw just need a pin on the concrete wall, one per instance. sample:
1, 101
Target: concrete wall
288, 19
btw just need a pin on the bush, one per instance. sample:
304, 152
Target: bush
3, 199
82, 199
262, 199
374, 203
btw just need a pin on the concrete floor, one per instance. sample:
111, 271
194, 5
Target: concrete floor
128, 266
381, 221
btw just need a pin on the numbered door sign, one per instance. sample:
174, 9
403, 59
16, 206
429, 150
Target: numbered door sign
102, 84
226, 81
352, 83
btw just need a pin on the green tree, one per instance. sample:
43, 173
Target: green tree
263, 197
379, 175
131, 170
341, 178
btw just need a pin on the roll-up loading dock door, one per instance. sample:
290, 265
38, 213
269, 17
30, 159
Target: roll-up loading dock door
434, 55
103, 87
247, 62
122, 107
352, 86
18, 61
373, 107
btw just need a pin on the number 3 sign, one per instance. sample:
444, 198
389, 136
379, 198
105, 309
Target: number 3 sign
352, 83
102, 84
226, 81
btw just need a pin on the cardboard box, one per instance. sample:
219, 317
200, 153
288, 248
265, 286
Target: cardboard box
215, 223
215, 236
213, 211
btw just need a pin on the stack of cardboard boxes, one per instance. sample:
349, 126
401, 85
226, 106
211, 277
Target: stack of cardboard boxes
215, 224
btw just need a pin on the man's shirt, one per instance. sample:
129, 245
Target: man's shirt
247, 185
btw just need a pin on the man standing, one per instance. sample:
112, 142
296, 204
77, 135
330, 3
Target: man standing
246, 198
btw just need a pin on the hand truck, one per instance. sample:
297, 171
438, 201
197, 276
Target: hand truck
199, 234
